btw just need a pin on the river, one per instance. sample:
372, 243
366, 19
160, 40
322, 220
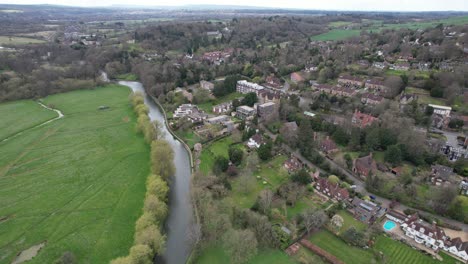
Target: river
180, 216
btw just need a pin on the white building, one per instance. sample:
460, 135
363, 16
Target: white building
441, 110
245, 87
184, 110
458, 248
255, 141
431, 236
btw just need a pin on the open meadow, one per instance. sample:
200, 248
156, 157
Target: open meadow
22, 115
78, 183
11, 40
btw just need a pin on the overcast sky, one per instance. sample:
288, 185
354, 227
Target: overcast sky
364, 5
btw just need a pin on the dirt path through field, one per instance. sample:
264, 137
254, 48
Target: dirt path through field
60, 115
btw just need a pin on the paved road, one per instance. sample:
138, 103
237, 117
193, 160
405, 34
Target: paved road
360, 184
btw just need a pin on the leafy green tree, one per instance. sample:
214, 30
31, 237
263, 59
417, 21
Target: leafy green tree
250, 99
393, 155
162, 159
302, 177
240, 244
221, 164
264, 151
141, 254
373, 139
354, 237
152, 237
235, 155
340, 136
305, 136
349, 160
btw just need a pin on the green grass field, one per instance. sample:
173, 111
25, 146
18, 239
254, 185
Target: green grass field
349, 222
77, 183
377, 25
209, 152
6, 40
216, 254
336, 34
397, 252
339, 23
208, 106
348, 254
393, 251
127, 77
22, 115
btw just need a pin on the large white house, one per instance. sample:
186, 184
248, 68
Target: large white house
441, 110
255, 141
245, 87
458, 248
430, 235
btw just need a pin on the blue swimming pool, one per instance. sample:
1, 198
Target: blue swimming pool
389, 225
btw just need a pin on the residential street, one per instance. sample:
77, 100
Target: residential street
360, 184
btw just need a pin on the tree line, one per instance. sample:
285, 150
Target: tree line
149, 238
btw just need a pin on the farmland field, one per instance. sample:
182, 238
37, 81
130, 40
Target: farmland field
336, 34
6, 40
77, 183
22, 115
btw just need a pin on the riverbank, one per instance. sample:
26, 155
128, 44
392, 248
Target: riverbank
181, 212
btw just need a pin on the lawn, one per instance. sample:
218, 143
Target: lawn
348, 254
397, 252
208, 106
304, 255
336, 34
189, 137
209, 152
22, 115
349, 221
339, 23
127, 77
216, 254
300, 207
77, 183
7, 40
271, 172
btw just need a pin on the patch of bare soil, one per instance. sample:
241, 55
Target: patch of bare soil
29, 253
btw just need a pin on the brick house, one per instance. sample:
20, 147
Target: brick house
328, 146
330, 189
362, 120
348, 80
364, 166
296, 77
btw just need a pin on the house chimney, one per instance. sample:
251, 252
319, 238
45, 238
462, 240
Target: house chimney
327, 138
370, 155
